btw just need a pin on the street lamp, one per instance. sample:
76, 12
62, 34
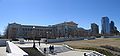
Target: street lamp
46, 37
33, 37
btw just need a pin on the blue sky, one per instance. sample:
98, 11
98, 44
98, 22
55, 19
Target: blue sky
48, 12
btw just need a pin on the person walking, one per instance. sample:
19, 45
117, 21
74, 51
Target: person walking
85, 54
50, 48
46, 41
39, 42
45, 50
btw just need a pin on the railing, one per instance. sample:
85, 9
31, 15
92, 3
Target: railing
3, 42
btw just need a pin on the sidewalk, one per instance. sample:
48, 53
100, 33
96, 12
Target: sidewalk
3, 51
60, 50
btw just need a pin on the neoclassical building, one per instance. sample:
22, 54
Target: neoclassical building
66, 29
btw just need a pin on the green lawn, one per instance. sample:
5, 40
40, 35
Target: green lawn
117, 39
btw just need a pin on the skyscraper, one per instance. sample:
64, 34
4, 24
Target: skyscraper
113, 28
105, 25
94, 28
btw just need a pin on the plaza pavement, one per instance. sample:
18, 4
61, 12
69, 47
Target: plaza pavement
3, 51
60, 50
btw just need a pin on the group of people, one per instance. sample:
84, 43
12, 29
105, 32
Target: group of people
51, 49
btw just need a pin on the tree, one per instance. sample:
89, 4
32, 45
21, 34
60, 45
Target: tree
0, 35
5, 35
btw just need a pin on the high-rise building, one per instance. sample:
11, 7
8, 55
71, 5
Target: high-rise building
94, 28
113, 28
105, 25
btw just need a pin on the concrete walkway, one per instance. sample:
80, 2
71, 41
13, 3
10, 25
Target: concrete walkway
3, 51
60, 50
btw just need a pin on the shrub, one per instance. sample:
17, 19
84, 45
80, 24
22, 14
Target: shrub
103, 51
116, 49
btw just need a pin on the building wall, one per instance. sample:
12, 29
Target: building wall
27, 31
94, 29
66, 29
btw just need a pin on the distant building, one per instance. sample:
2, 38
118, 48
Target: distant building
105, 25
113, 28
83, 32
94, 29
66, 29
15, 30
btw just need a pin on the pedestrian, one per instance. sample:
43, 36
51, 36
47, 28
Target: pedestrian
46, 41
85, 54
45, 50
52, 49
39, 42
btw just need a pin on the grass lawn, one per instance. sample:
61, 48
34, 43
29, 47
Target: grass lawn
97, 45
32, 51
117, 38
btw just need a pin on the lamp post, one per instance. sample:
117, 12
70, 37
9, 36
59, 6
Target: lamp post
46, 37
33, 37
65, 33
39, 39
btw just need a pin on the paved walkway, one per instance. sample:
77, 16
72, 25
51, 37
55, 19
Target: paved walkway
61, 50
3, 51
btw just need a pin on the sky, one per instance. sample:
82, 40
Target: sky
50, 12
